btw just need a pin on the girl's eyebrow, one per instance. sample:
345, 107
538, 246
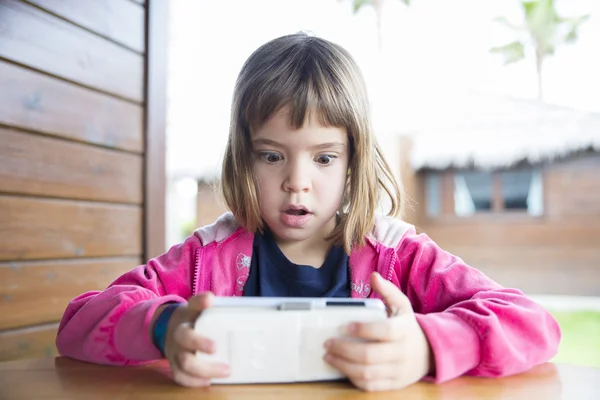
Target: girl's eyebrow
267, 142
332, 145
329, 145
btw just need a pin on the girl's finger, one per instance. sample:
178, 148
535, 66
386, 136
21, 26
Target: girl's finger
389, 330
186, 380
190, 340
363, 352
395, 301
200, 302
193, 366
362, 372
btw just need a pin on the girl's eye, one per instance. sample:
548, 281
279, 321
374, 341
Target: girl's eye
325, 159
270, 157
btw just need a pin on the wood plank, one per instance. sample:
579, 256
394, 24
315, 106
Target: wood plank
37, 292
556, 277
33, 228
552, 281
573, 188
36, 342
42, 41
497, 198
577, 233
119, 20
36, 165
156, 123
538, 258
34, 101
585, 259
447, 193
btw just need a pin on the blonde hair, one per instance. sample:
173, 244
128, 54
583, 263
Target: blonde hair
307, 74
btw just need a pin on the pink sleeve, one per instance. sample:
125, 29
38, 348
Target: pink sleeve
112, 326
474, 326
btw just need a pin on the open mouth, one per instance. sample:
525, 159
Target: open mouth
296, 212
295, 216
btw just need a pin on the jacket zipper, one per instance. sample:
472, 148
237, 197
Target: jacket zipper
196, 272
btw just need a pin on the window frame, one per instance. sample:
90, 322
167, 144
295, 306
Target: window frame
497, 212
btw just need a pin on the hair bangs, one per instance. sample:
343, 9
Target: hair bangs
306, 84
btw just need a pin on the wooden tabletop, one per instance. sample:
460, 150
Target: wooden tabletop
63, 378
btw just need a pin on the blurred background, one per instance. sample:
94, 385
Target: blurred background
114, 116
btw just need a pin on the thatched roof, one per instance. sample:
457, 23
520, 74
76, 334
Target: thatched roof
491, 132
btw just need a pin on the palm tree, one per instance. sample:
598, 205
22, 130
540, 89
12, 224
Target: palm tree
388, 142
378, 7
542, 31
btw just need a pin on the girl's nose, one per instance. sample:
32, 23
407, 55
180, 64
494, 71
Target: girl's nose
297, 178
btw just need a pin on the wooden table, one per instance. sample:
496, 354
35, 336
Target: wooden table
63, 378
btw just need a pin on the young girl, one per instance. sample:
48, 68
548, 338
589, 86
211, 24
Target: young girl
302, 175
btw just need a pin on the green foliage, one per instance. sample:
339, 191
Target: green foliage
512, 52
543, 29
581, 338
187, 228
358, 4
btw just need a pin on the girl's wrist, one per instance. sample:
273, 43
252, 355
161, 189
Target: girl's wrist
160, 326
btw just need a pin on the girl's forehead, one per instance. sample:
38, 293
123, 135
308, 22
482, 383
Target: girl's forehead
280, 129
284, 119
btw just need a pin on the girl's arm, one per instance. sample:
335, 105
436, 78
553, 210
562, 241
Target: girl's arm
474, 326
112, 326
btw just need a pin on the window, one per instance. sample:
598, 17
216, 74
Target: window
433, 193
472, 192
522, 190
467, 193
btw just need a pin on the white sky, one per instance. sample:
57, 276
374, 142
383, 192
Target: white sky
432, 49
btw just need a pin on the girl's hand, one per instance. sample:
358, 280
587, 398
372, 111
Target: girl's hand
393, 353
182, 342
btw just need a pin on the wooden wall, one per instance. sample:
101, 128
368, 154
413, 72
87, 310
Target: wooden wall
82, 131
558, 253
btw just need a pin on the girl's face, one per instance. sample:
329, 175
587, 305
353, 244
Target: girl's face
300, 175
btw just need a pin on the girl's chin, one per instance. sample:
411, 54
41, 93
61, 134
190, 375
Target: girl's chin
300, 229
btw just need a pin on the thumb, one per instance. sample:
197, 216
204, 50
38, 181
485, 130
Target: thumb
200, 302
395, 301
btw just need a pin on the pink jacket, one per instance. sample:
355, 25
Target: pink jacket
474, 325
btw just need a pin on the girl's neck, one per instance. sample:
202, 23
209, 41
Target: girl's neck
311, 252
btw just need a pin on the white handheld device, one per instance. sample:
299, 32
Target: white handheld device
279, 339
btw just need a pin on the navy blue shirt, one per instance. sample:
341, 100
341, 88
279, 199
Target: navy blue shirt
273, 275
